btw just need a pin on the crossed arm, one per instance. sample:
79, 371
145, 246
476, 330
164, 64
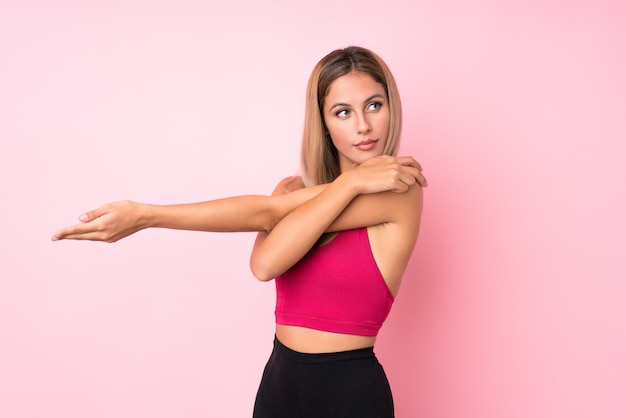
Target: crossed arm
368, 195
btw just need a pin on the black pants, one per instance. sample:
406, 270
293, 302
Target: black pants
347, 384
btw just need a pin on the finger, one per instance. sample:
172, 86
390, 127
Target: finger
410, 170
93, 214
401, 187
409, 161
422, 180
413, 163
89, 236
417, 175
75, 231
408, 179
62, 233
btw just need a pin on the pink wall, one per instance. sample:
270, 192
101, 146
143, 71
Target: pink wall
513, 303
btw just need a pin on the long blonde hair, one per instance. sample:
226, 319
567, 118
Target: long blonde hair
319, 159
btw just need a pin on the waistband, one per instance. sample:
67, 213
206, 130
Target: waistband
308, 358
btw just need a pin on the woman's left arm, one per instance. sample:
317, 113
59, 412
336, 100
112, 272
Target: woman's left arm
381, 190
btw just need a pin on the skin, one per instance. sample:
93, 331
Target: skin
379, 192
355, 112
117, 220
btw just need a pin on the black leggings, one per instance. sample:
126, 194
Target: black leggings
347, 384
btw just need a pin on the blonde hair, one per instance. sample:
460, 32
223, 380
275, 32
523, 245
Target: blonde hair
319, 159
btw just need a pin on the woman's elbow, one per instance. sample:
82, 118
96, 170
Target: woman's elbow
261, 270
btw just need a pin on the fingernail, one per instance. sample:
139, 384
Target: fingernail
82, 217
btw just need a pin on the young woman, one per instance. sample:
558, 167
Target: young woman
336, 240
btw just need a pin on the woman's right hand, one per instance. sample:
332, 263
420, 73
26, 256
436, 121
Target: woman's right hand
108, 223
387, 173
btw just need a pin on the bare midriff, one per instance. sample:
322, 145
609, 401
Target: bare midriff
307, 340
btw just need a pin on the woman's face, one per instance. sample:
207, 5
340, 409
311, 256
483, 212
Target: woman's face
356, 112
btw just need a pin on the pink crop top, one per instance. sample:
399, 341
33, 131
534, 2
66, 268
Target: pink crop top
336, 287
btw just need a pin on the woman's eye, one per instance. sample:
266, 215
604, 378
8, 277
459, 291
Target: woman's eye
374, 106
343, 113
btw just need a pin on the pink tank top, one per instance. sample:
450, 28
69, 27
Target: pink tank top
336, 287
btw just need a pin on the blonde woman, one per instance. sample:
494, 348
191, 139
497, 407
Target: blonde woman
336, 240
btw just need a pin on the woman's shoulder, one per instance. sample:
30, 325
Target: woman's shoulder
289, 184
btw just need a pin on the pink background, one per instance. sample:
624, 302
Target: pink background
513, 304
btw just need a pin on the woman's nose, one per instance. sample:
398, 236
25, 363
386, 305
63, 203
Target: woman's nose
363, 124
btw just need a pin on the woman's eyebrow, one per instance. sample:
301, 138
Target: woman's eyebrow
373, 96
338, 104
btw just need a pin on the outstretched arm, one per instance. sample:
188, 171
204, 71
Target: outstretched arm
378, 191
118, 220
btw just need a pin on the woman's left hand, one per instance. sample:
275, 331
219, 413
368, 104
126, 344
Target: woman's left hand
387, 173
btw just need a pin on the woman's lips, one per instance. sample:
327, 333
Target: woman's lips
366, 145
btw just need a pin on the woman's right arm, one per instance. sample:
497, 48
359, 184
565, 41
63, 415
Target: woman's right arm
117, 220
252, 213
